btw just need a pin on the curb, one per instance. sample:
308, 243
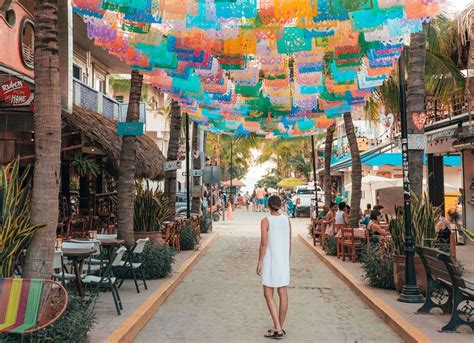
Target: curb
132, 326
394, 319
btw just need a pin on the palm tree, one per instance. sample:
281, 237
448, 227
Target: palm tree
416, 104
327, 164
47, 124
302, 165
196, 204
126, 181
356, 192
465, 39
172, 155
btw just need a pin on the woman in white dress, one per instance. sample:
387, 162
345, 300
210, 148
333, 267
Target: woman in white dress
274, 264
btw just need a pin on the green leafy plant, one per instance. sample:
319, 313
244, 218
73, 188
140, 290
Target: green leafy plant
72, 326
157, 262
378, 267
15, 228
330, 246
205, 222
187, 239
83, 166
424, 217
151, 208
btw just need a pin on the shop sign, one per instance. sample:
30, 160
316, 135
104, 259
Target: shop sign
441, 135
15, 92
130, 129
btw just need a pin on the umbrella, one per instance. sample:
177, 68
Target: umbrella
272, 190
235, 183
371, 182
291, 182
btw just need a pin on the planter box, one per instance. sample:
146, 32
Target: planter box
155, 236
399, 273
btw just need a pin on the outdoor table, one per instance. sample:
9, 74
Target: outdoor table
110, 245
77, 257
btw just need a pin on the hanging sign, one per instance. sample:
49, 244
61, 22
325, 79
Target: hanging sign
419, 119
171, 165
15, 92
387, 120
130, 129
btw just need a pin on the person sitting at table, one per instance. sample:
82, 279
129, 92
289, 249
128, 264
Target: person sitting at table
443, 230
341, 219
368, 210
330, 218
375, 229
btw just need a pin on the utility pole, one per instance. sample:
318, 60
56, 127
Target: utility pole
188, 172
410, 291
315, 177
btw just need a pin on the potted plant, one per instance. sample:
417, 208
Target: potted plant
424, 217
151, 209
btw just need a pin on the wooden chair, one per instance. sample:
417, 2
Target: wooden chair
317, 229
349, 244
29, 305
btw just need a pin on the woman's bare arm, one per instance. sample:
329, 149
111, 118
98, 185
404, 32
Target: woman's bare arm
263, 244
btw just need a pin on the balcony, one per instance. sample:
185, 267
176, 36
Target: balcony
438, 111
91, 99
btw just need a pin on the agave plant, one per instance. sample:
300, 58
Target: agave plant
15, 228
423, 218
151, 208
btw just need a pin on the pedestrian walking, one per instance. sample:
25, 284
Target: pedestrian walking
274, 264
260, 193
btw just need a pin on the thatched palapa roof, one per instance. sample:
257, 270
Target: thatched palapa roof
102, 133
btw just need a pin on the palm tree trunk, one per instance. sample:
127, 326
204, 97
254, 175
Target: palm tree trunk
356, 192
128, 153
416, 104
47, 124
173, 148
196, 204
327, 164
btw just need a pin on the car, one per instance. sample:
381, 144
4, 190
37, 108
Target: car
181, 204
303, 198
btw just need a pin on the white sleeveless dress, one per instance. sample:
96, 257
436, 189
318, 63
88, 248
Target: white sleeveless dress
276, 262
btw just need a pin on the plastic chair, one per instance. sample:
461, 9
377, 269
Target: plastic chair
106, 236
131, 266
108, 279
59, 270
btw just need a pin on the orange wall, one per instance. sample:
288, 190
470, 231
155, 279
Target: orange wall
10, 53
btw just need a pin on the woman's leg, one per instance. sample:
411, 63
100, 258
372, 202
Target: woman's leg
272, 306
283, 295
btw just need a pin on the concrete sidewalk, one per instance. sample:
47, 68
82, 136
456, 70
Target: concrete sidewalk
427, 325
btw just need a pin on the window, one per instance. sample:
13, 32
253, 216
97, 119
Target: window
100, 85
76, 72
119, 98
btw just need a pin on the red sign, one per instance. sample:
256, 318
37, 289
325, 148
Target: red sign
15, 92
419, 119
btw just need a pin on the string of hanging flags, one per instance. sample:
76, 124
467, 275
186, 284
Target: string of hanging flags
277, 68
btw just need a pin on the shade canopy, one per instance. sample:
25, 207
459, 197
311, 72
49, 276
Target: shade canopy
372, 182
277, 68
291, 182
235, 183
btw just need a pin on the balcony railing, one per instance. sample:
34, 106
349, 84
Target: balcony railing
87, 97
438, 110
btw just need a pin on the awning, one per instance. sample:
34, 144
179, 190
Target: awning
102, 132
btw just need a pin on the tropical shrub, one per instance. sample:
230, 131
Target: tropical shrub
73, 326
151, 208
330, 246
188, 238
157, 262
15, 228
84, 166
205, 222
423, 216
378, 267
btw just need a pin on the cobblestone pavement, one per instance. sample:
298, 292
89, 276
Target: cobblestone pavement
221, 300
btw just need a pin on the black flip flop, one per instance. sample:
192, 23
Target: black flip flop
274, 335
271, 330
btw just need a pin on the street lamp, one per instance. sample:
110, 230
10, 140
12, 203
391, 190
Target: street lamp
410, 291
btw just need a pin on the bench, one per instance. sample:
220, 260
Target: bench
29, 305
447, 290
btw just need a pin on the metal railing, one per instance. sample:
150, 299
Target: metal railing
438, 110
91, 99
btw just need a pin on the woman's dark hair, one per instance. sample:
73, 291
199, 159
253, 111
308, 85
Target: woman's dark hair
274, 203
342, 205
378, 207
374, 215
